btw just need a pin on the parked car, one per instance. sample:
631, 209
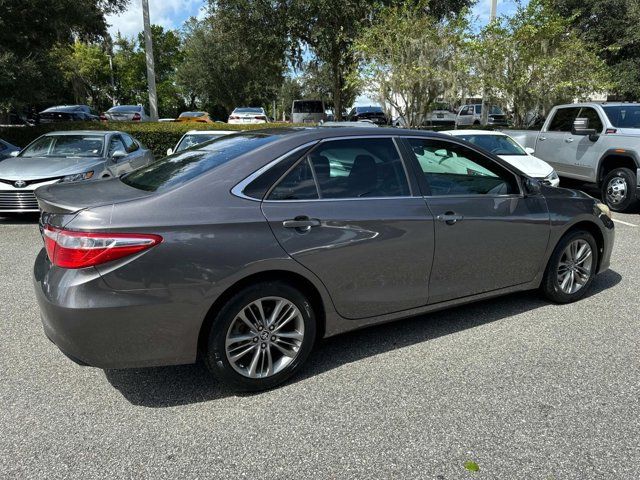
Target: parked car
308, 111
196, 117
249, 115
67, 157
361, 123
68, 113
597, 143
246, 250
511, 151
195, 137
443, 115
472, 115
7, 150
373, 113
127, 113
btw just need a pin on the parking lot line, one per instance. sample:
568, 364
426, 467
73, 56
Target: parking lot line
624, 223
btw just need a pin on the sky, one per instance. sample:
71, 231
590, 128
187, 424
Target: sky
171, 14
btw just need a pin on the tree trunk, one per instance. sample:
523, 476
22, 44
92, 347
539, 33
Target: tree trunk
337, 85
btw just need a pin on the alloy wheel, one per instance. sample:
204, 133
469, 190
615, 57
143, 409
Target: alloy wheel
264, 337
616, 190
574, 269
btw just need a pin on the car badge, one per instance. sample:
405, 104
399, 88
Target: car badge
20, 184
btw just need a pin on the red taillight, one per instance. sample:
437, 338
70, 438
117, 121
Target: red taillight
71, 249
136, 117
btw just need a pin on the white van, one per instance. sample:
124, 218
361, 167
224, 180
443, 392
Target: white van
307, 111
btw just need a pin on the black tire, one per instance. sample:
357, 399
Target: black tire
215, 356
550, 286
628, 201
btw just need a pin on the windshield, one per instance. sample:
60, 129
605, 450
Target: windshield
308, 106
125, 108
178, 169
189, 141
498, 144
65, 146
248, 110
623, 116
192, 114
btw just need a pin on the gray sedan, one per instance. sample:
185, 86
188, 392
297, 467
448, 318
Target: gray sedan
70, 156
245, 250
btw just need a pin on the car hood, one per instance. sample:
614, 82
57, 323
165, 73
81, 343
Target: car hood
33, 168
532, 166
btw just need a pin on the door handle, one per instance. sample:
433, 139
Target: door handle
302, 223
568, 140
449, 218
542, 139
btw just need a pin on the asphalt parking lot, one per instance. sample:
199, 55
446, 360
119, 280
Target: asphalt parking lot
523, 388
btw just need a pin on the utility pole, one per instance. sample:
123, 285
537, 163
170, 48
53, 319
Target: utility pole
151, 72
113, 83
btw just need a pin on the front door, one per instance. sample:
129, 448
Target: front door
488, 235
346, 213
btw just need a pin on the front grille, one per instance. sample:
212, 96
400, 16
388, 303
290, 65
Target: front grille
18, 201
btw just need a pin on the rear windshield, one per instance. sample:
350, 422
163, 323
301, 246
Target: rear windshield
369, 110
248, 110
498, 144
308, 106
177, 169
192, 114
125, 108
623, 116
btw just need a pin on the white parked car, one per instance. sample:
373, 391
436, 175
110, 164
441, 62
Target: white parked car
127, 113
249, 115
195, 137
511, 151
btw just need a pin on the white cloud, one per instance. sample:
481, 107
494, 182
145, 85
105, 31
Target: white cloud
168, 13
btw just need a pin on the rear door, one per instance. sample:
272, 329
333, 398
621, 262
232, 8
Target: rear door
488, 235
346, 212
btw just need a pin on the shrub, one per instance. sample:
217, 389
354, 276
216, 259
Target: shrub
157, 136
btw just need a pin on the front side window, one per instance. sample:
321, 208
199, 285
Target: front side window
65, 146
298, 184
129, 143
563, 119
594, 118
452, 170
116, 145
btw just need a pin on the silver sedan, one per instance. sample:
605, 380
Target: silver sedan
71, 156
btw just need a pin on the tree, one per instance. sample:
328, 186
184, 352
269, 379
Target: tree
534, 59
410, 58
610, 28
29, 29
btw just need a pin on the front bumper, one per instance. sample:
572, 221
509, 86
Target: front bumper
98, 326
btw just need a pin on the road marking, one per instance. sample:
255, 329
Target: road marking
624, 223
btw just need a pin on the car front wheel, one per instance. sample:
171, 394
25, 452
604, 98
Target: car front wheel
571, 268
261, 336
619, 189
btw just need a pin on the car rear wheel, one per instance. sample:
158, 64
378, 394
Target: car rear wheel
261, 336
571, 268
619, 189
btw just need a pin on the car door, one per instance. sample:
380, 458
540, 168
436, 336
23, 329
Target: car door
488, 235
585, 152
554, 144
465, 116
346, 212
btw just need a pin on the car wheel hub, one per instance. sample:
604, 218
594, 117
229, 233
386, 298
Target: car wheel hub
617, 190
264, 337
574, 268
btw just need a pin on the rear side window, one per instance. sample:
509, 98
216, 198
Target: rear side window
174, 171
452, 170
563, 119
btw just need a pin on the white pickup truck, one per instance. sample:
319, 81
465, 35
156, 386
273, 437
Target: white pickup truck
597, 143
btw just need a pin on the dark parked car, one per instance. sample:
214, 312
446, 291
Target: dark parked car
68, 113
246, 249
6, 149
372, 113
69, 156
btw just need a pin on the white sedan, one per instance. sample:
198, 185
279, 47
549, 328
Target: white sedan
248, 115
511, 151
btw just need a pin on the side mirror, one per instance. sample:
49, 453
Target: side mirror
532, 186
581, 127
14, 153
118, 155
529, 150
169, 151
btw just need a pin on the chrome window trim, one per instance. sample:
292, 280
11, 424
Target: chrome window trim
346, 199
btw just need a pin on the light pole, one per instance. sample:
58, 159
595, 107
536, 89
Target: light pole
492, 11
151, 73
485, 107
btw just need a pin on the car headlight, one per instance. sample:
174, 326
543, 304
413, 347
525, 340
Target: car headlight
552, 177
78, 176
603, 209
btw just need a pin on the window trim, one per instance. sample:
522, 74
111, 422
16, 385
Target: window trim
424, 185
394, 140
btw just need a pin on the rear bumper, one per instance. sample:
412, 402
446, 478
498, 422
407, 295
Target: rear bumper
100, 327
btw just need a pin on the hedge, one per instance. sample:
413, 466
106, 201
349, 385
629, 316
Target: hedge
157, 136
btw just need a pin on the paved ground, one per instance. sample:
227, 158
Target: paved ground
523, 388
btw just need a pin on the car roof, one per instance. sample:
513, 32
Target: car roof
82, 132
603, 104
65, 108
203, 132
456, 133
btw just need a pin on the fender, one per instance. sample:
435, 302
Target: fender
617, 152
